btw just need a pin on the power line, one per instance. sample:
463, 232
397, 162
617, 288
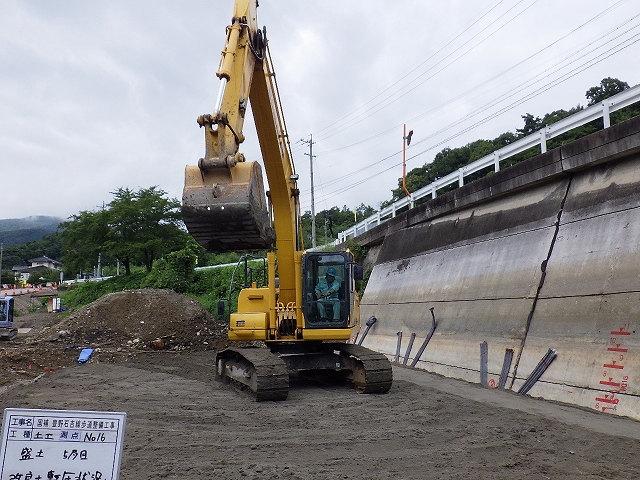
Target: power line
588, 64
512, 92
461, 31
504, 72
340, 126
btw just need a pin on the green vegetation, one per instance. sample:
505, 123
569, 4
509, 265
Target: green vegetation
451, 159
142, 230
134, 228
174, 272
16, 231
50, 246
330, 222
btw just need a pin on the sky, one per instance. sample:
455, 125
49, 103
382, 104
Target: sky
95, 96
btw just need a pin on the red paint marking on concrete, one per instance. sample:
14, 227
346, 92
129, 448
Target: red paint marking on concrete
608, 399
610, 383
613, 365
617, 349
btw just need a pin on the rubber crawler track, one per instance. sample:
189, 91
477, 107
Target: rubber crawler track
371, 371
271, 375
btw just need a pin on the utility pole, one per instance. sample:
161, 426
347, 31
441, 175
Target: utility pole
310, 142
1, 250
325, 227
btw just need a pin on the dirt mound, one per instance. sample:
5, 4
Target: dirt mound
117, 326
142, 319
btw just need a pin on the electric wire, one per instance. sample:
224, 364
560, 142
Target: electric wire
555, 82
475, 88
339, 127
516, 89
520, 88
461, 31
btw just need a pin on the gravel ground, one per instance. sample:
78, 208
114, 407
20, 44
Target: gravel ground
181, 424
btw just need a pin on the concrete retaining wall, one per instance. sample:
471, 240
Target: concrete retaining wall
544, 255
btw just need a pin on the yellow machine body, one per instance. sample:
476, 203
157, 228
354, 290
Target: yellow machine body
224, 203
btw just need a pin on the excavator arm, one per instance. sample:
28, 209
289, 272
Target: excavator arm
224, 205
223, 202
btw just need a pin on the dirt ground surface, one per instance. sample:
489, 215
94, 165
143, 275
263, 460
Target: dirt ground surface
181, 424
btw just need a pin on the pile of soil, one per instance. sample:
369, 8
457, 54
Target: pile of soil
117, 326
142, 319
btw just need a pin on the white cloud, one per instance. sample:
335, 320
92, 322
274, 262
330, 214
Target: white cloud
94, 97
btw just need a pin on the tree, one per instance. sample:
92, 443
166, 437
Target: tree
334, 220
83, 238
43, 276
608, 88
451, 159
175, 271
143, 226
50, 246
136, 227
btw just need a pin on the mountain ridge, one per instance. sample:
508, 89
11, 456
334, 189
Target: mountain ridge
14, 231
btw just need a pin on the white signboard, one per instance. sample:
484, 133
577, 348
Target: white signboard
61, 445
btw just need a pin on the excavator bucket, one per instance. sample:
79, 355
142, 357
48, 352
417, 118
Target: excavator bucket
225, 209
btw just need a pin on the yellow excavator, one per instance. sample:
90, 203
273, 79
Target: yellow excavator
310, 308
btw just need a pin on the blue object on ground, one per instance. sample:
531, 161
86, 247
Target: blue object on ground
85, 355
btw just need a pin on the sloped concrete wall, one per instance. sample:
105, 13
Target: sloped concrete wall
551, 261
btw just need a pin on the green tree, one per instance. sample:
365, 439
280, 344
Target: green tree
175, 271
143, 226
50, 246
451, 159
83, 239
334, 220
608, 88
136, 228
43, 275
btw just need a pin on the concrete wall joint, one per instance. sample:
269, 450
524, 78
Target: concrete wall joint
543, 266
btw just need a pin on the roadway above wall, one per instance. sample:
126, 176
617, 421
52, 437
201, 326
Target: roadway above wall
607, 145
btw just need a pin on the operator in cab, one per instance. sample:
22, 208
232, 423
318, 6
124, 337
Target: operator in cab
327, 292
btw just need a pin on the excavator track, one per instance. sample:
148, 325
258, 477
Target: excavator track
8, 333
257, 370
370, 372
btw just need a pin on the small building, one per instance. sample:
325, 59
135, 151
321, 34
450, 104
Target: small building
38, 264
47, 262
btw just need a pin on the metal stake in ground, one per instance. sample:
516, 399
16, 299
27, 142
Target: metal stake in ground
484, 360
406, 355
397, 358
426, 340
369, 324
506, 365
542, 366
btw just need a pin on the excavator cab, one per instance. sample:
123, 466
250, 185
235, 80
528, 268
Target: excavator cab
328, 289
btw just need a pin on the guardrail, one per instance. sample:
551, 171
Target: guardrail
610, 105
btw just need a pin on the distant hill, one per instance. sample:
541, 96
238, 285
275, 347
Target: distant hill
14, 231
